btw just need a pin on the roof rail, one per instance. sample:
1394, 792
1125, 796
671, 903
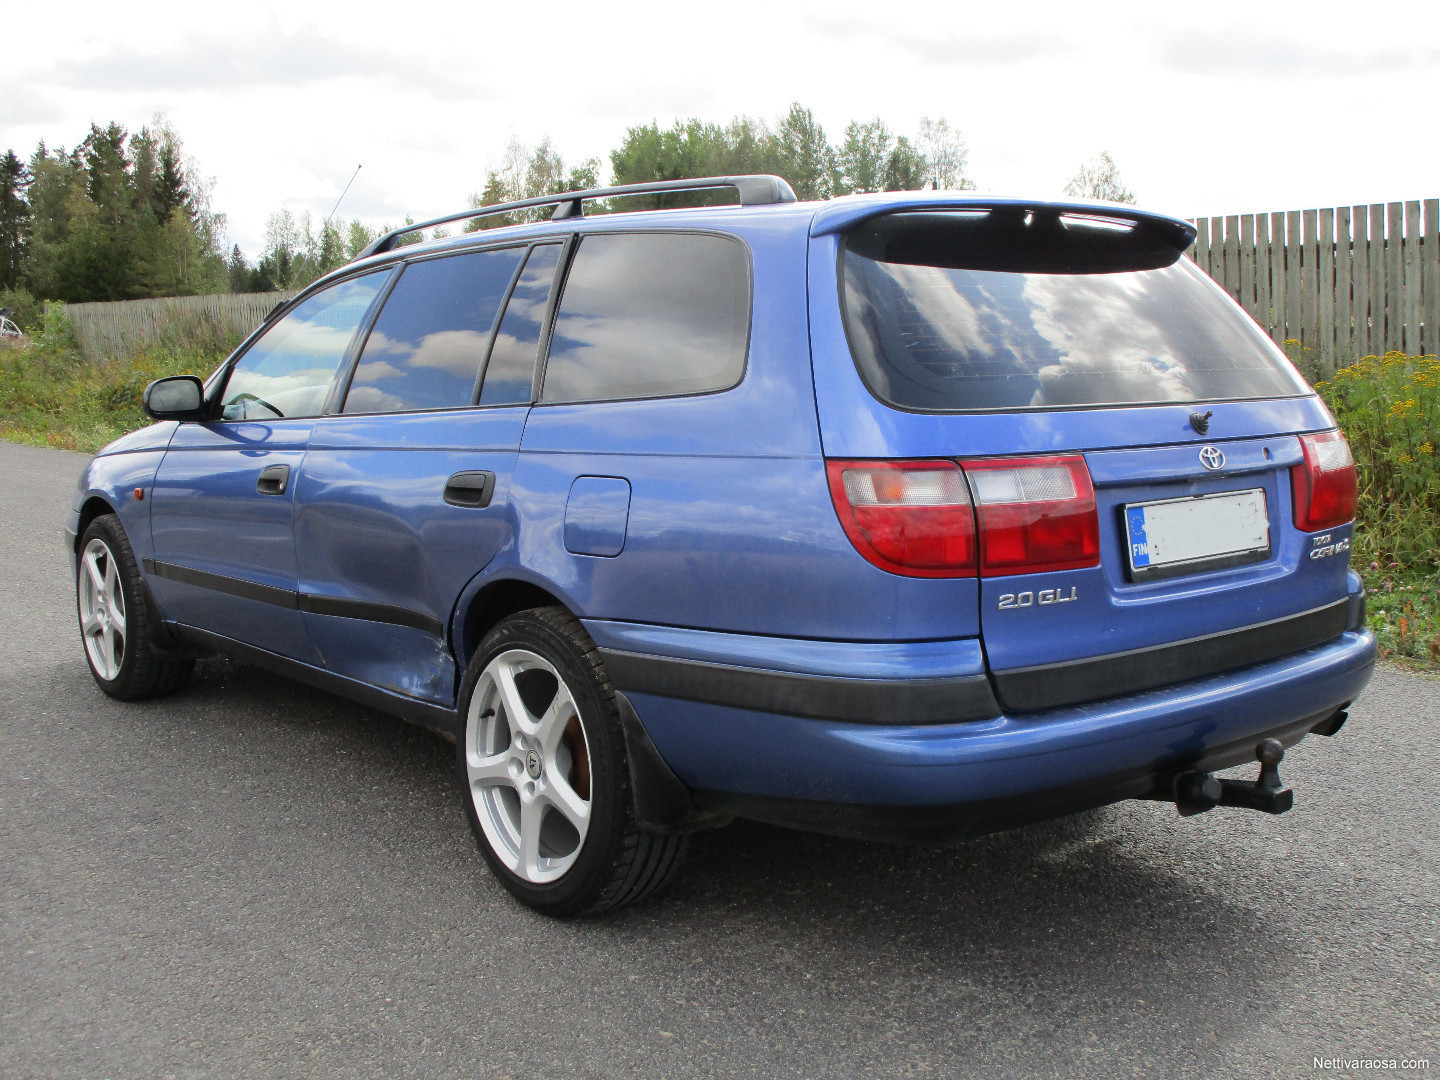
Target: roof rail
753, 191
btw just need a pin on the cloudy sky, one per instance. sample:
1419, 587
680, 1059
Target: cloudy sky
1207, 108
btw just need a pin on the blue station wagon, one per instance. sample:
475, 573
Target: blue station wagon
908, 516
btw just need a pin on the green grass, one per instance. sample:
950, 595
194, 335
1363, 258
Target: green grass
51, 396
1389, 409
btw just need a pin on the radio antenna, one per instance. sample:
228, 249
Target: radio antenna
342, 194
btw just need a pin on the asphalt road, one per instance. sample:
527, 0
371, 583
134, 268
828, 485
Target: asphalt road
251, 879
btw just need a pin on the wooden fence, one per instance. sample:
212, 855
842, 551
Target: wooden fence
125, 326
1345, 282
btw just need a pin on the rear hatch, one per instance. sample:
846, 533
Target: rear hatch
1135, 449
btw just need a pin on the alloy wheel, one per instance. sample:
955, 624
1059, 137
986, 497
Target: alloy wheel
102, 609
527, 764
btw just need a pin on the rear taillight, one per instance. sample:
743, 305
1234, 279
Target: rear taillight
908, 517
915, 517
1035, 514
1324, 487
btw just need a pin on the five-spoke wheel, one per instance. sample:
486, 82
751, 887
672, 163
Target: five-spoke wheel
102, 609
542, 760
123, 639
528, 765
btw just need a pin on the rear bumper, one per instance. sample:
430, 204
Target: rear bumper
931, 780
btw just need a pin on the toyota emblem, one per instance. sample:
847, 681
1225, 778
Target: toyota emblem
1212, 458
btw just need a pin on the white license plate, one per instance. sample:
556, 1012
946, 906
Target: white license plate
1179, 536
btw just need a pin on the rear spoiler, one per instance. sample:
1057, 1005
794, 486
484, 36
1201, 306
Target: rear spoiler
839, 215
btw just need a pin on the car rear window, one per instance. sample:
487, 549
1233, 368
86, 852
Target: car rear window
650, 315
989, 309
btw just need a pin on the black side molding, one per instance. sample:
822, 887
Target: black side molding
346, 608
342, 606
819, 697
249, 590
1096, 678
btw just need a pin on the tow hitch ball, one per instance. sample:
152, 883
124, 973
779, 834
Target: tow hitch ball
1196, 792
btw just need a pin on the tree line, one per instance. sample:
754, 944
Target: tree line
127, 215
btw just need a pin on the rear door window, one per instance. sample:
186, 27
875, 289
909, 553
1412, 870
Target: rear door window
426, 347
510, 371
650, 315
950, 312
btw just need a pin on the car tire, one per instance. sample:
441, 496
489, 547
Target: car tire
542, 766
117, 625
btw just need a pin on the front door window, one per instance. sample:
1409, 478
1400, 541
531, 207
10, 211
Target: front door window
288, 372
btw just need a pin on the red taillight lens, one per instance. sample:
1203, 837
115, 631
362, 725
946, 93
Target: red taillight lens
1036, 514
1324, 487
908, 517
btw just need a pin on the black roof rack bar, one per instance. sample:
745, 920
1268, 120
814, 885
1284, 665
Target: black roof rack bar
753, 191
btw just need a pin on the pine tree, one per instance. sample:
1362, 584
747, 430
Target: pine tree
15, 219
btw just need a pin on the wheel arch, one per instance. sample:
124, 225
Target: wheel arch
494, 601
94, 507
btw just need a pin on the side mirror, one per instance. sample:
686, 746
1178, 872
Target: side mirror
179, 397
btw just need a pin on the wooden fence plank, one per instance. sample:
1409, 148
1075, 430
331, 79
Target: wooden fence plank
1247, 264
1360, 279
1411, 256
1202, 243
1430, 253
1263, 313
1292, 276
1278, 294
1394, 276
1325, 292
1217, 250
1309, 282
1378, 313
1344, 264
1232, 256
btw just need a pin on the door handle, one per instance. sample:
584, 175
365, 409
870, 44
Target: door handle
470, 489
274, 480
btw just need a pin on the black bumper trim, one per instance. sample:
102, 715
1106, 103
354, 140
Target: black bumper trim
817, 697
1097, 678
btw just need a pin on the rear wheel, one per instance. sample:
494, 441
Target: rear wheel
541, 759
116, 623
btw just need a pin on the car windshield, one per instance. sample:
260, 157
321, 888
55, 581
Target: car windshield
960, 311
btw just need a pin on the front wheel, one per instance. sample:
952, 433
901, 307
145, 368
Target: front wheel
116, 624
541, 759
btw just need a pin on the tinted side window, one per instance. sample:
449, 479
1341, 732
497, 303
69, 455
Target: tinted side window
288, 371
650, 315
427, 345
510, 372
